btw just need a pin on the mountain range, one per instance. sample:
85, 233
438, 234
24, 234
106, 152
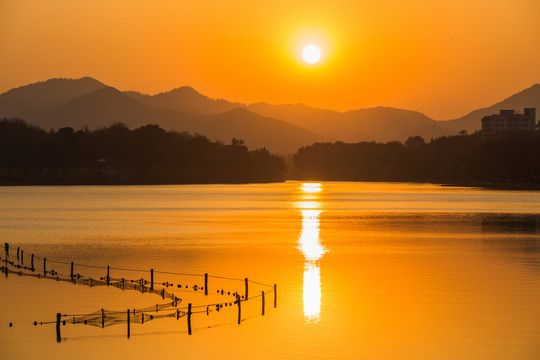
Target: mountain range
87, 102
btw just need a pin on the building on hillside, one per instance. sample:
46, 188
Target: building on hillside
509, 120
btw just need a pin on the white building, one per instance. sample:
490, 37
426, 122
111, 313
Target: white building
509, 120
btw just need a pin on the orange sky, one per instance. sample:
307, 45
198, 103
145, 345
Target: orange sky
443, 58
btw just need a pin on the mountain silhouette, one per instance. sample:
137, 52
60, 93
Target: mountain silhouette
373, 124
107, 105
186, 99
376, 124
77, 103
30, 101
257, 129
388, 124
528, 98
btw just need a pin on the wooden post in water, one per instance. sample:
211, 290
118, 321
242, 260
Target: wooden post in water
22, 257
58, 316
262, 295
18, 249
102, 318
44, 266
205, 283
108, 273
189, 319
275, 295
6, 246
128, 330
246, 282
32, 262
151, 279
72, 271
239, 301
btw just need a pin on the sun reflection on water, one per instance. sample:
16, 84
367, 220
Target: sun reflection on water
310, 245
311, 187
309, 240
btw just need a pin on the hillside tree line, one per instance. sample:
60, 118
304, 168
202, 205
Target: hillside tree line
118, 155
500, 158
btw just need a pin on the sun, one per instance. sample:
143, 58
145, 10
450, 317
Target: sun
311, 54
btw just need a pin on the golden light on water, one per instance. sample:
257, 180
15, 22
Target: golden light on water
309, 240
312, 293
311, 187
310, 245
306, 205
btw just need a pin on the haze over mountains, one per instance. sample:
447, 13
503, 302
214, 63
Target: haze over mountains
283, 129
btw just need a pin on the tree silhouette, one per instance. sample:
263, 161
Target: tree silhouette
508, 158
117, 155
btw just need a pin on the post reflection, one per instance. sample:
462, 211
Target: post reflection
310, 244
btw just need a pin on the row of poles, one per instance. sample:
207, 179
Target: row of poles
108, 278
189, 313
238, 301
21, 258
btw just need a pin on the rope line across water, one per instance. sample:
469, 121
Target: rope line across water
103, 317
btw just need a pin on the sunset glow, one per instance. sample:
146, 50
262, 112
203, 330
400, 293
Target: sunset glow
270, 180
411, 55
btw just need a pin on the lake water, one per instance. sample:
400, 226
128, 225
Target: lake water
363, 270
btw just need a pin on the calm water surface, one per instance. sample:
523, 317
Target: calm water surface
364, 271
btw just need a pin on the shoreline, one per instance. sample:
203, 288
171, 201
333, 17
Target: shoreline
496, 186
483, 185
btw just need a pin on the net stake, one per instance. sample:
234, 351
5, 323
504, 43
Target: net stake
189, 319
128, 330
58, 316
238, 301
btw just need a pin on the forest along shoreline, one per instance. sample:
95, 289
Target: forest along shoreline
150, 155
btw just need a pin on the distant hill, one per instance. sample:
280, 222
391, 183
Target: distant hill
32, 100
375, 124
278, 135
529, 98
83, 102
385, 124
107, 105
185, 99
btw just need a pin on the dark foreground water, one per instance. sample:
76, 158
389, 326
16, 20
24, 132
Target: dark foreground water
364, 271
